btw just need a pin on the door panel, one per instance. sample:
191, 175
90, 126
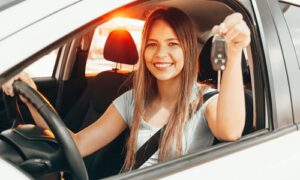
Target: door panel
275, 159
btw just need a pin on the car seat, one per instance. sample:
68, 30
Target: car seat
98, 95
208, 76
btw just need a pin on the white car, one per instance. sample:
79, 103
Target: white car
65, 45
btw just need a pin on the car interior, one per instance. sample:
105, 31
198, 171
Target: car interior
80, 99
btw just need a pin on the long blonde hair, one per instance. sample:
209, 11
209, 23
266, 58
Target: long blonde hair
145, 87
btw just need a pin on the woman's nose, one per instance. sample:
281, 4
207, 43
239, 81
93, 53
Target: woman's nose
161, 52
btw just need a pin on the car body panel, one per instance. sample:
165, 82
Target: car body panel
290, 58
37, 10
281, 106
11, 172
263, 161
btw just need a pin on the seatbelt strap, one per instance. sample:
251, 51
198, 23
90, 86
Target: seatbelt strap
147, 149
151, 146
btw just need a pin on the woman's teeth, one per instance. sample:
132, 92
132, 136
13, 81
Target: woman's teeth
162, 65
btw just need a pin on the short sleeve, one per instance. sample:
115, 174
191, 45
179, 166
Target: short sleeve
124, 105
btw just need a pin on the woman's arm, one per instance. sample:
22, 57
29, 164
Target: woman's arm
95, 136
226, 113
88, 140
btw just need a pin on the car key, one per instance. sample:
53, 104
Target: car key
218, 55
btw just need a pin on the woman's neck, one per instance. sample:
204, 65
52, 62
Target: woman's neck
168, 90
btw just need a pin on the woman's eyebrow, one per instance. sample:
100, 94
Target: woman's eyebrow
169, 39
150, 39
172, 39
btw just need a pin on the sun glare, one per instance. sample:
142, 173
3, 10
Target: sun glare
123, 22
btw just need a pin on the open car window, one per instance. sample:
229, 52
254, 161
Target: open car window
44, 66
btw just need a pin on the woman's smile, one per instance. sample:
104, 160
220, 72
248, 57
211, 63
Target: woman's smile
162, 65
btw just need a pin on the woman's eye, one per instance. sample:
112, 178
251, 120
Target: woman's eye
151, 45
173, 44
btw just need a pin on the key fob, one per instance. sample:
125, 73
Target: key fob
218, 56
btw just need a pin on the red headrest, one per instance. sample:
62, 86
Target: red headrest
120, 47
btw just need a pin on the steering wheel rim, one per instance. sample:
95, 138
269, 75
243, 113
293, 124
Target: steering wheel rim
57, 126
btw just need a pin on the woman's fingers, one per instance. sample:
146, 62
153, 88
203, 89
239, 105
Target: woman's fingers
233, 19
215, 30
239, 35
23, 76
235, 30
227, 24
8, 88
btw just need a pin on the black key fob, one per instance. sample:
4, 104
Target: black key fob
218, 55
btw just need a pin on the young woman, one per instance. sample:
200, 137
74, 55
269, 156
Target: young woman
166, 93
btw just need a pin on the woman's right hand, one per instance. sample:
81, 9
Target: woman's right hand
23, 76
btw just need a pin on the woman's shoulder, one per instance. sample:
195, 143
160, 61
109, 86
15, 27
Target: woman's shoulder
204, 88
127, 96
128, 93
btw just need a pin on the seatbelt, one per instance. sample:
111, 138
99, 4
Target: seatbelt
147, 149
151, 146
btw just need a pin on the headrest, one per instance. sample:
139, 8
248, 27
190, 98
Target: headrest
206, 72
120, 47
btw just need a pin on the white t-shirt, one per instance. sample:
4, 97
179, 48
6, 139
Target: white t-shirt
196, 136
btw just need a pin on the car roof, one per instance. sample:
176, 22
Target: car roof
22, 36
20, 15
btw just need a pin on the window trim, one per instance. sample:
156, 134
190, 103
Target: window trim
291, 2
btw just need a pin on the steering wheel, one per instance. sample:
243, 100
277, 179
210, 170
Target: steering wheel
56, 125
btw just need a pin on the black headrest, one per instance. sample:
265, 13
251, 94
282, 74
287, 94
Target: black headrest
120, 47
206, 72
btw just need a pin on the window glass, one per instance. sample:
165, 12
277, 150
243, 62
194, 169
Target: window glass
44, 66
292, 14
96, 62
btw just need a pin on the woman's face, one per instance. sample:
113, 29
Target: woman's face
163, 54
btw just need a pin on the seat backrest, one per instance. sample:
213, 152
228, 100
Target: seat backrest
102, 89
98, 95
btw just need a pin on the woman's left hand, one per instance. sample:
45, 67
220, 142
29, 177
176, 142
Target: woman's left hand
235, 30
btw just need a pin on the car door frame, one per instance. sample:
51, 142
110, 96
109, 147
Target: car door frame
290, 57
